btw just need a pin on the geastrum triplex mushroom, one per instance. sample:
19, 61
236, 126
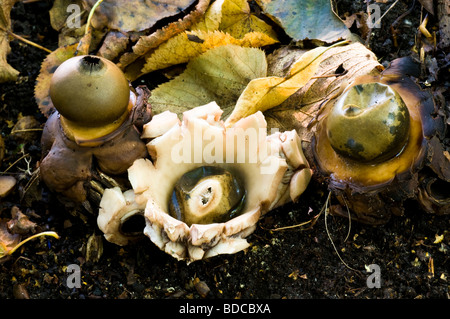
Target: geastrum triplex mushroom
206, 186
379, 144
95, 126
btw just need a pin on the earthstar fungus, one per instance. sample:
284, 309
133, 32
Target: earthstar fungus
379, 144
201, 169
96, 125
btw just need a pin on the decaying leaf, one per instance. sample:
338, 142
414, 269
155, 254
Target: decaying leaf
265, 93
7, 72
220, 75
132, 62
135, 15
306, 19
7, 240
114, 44
361, 20
20, 223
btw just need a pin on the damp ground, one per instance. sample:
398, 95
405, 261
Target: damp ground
329, 259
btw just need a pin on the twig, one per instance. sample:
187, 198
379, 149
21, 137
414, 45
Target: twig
46, 233
25, 40
91, 14
379, 20
10, 166
329, 236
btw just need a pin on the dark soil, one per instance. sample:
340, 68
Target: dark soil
294, 263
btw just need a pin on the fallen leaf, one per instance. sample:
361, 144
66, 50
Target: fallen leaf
12, 229
220, 75
237, 20
20, 223
26, 129
135, 15
361, 20
7, 240
7, 72
189, 45
265, 93
61, 12
225, 22
306, 19
132, 62
438, 238
115, 44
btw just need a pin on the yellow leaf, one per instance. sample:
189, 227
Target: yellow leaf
188, 45
265, 93
439, 238
238, 21
211, 19
7, 72
240, 27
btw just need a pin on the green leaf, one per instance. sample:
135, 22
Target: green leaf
220, 75
306, 19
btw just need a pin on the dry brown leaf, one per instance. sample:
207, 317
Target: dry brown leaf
132, 62
59, 13
240, 27
20, 223
135, 15
7, 240
7, 72
115, 43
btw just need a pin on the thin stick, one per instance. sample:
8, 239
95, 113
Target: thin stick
392, 5
27, 130
91, 14
46, 233
329, 236
27, 41
10, 166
